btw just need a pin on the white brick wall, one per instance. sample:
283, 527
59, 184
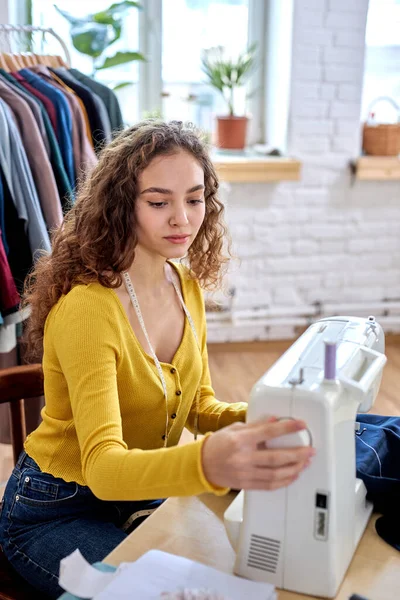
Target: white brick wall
348, 91
352, 39
342, 73
325, 238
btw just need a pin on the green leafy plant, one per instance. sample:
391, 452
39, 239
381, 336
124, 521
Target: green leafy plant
226, 74
94, 33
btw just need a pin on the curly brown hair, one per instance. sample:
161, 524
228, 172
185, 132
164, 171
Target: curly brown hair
97, 240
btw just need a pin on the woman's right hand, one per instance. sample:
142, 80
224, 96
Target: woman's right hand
237, 456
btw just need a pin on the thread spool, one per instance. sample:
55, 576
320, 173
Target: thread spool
330, 361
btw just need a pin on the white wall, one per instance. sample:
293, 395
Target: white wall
4, 11
326, 238
12, 11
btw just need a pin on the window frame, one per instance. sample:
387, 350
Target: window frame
150, 72
150, 86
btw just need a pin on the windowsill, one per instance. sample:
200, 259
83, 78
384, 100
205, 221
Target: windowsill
255, 168
377, 168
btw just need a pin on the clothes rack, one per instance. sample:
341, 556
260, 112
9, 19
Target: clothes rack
53, 121
6, 32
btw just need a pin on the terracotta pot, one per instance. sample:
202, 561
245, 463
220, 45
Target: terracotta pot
231, 132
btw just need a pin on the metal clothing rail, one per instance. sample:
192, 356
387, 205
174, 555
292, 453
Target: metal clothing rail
9, 29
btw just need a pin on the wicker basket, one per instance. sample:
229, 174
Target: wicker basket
382, 140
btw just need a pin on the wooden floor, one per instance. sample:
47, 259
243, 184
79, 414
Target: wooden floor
236, 367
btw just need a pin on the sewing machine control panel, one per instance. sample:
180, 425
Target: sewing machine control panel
321, 516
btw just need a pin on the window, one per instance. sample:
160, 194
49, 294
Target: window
172, 35
188, 27
45, 15
382, 59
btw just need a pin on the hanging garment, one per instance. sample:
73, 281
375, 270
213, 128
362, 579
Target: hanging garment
2, 220
98, 116
64, 119
33, 105
81, 104
63, 185
84, 156
20, 262
107, 96
47, 103
378, 465
9, 297
19, 179
39, 163
19, 254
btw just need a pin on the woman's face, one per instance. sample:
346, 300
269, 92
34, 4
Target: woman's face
170, 206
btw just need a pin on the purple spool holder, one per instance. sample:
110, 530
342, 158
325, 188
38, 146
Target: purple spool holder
330, 361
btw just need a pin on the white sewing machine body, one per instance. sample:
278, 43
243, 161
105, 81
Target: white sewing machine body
303, 537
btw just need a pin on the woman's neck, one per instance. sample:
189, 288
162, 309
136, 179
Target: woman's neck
148, 271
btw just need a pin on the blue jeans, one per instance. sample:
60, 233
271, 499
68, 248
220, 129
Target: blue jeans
378, 465
43, 519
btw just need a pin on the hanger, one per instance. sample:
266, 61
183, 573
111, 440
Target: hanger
50, 60
22, 58
29, 59
61, 62
56, 61
3, 63
38, 59
12, 62
34, 59
13, 59
46, 60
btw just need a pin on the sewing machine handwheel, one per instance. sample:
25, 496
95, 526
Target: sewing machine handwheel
291, 440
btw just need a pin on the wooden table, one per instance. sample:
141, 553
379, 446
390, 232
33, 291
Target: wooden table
193, 528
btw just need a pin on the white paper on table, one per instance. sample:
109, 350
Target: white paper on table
156, 572
79, 578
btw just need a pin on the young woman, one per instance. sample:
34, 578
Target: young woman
125, 364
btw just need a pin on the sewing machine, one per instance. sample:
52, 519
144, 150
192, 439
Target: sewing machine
303, 537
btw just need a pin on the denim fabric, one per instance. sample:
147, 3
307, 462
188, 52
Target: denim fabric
43, 519
378, 465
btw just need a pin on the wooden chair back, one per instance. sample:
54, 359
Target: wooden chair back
16, 385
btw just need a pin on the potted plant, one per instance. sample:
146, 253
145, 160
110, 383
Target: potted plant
227, 75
